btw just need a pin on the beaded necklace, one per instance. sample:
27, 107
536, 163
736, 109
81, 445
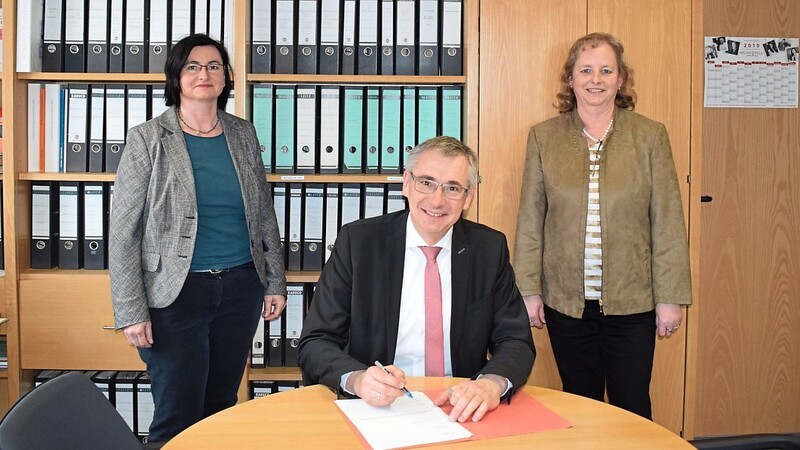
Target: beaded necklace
199, 132
598, 141
596, 154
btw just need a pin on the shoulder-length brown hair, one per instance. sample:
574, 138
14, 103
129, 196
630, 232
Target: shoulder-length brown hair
626, 96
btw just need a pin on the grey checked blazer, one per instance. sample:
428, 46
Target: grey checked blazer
154, 215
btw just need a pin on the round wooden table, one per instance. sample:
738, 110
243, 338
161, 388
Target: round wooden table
308, 418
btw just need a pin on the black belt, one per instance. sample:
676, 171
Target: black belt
247, 265
212, 271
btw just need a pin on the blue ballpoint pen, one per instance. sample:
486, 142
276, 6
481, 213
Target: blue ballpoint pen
380, 366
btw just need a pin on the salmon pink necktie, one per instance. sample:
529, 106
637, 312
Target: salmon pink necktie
434, 336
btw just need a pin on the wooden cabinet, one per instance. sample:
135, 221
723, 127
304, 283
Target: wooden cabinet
67, 323
747, 325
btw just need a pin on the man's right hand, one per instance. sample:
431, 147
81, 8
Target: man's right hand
377, 387
139, 334
535, 306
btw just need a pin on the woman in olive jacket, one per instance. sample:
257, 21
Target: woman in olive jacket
601, 249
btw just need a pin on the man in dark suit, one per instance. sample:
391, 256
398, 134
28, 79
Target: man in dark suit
369, 304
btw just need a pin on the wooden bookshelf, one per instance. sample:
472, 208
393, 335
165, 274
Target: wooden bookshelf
275, 374
82, 336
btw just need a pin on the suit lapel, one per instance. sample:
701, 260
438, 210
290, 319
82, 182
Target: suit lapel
237, 145
236, 142
394, 265
460, 270
175, 149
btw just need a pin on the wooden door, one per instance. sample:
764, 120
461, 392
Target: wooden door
523, 45
657, 39
748, 330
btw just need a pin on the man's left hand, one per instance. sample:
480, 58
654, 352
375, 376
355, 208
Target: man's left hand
473, 398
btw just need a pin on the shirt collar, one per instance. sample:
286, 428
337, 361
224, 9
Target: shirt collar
413, 239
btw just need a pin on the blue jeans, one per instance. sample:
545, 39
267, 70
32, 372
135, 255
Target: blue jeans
600, 353
200, 347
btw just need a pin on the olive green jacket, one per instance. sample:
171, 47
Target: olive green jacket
645, 251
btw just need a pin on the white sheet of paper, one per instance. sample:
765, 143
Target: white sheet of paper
404, 423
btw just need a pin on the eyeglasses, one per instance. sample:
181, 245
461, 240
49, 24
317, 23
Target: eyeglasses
428, 186
195, 68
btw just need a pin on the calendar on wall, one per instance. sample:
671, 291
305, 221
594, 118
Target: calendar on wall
751, 72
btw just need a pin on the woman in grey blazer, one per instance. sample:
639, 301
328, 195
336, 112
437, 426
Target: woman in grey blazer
195, 254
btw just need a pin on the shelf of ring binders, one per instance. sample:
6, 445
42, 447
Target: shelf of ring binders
272, 178
253, 78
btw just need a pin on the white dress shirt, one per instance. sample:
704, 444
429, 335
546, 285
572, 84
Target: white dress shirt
410, 350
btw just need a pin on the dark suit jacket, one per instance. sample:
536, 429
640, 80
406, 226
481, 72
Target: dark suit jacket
353, 318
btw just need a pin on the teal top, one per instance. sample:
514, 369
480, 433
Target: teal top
222, 238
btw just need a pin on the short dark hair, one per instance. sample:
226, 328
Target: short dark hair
176, 59
448, 147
